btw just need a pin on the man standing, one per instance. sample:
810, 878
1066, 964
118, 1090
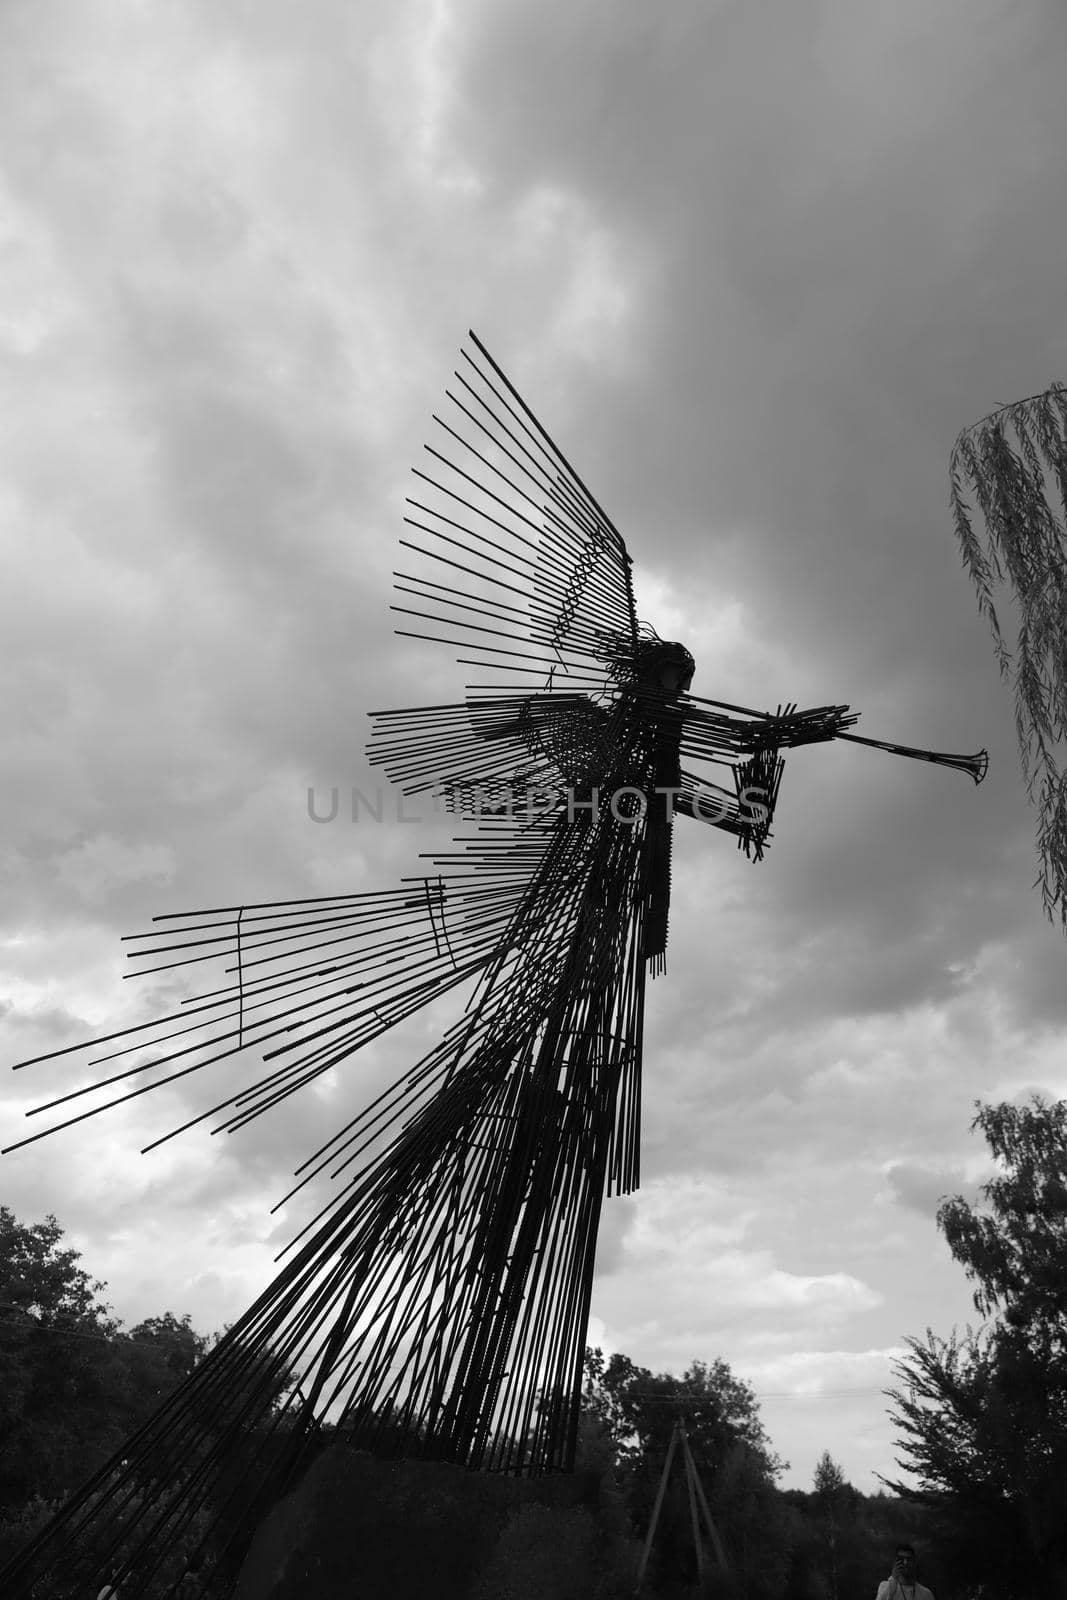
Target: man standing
901, 1583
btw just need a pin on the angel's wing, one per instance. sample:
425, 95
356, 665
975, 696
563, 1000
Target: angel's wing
521, 566
304, 984
522, 570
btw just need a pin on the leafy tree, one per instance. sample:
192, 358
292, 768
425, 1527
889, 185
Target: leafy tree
753, 1522
984, 1415
637, 1410
829, 1485
72, 1386
829, 1481
1027, 549
180, 1346
40, 1280
846, 1546
58, 1370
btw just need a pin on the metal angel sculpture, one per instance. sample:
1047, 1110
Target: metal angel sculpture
438, 1303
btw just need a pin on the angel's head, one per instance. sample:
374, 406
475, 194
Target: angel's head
664, 666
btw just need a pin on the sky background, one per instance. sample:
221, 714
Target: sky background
755, 265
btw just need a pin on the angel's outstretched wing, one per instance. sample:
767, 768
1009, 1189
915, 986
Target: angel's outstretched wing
519, 565
303, 984
521, 568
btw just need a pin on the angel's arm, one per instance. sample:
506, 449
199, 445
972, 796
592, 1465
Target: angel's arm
713, 731
749, 745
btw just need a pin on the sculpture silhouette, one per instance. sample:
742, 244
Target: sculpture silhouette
438, 1303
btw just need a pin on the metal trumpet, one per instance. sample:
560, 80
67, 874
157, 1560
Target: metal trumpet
977, 765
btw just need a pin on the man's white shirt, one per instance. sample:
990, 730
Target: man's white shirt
892, 1590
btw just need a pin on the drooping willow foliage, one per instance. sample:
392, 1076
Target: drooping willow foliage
1014, 482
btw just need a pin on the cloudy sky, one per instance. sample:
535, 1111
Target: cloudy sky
755, 264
